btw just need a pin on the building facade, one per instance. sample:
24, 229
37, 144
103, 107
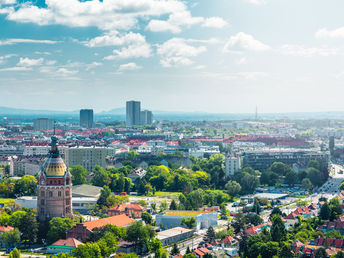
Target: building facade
133, 113
54, 197
232, 164
88, 157
146, 117
86, 118
43, 124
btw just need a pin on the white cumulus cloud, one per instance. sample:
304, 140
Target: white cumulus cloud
129, 67
176, 52
244, 42
27, 62
325, 33
32, 41
214, 22
296, 50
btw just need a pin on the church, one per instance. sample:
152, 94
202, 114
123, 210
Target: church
54, 187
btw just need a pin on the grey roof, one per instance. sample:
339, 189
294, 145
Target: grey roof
85, 191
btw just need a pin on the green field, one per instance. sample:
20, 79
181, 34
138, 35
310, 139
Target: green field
167, 194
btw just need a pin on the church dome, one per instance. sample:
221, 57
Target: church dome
54, 165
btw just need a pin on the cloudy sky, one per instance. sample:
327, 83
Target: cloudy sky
225, 56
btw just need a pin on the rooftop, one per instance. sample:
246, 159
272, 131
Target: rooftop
119, 221
69, 242
173, 232
186, 213
86, 190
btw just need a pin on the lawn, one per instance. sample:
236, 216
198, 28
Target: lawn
167, 194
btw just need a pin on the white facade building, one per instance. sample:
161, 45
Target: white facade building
232, 164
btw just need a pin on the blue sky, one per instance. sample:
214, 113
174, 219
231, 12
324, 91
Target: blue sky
224, 56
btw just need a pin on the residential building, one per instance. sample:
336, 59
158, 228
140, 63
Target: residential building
86, 118
132, 210
262, 159
146, 117
43, 124
64, 246
174, 235
232, 165
88, 157
133, 113
80, 231
171, 219
54, 187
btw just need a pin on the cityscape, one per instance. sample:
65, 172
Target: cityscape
171, 129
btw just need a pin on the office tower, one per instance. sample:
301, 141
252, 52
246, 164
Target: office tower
146, 117
88, 157
232, 165
43, 124
133, 113
54, 187
86, 118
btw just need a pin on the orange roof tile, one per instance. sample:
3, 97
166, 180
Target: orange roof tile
71, 242
119, 221
6, 228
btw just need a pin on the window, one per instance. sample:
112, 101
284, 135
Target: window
67, 193
50, 194
67, 181
42, 211
42, 193
67, 201
59, 194
59, 182
55, 182
42, 202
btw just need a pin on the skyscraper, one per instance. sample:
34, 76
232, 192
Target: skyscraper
43, 124
54, 187
146, 117
133, 111
86, 118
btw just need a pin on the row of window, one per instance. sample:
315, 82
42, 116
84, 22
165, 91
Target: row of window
51, 194
67, 210
67, 202
56, 182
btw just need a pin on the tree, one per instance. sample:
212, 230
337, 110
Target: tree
16, 218
269, 249
256, 207
291, 178
280, 168
316, 177
209, 235
131, 155
79, 174
163, 206
29, 227
147, 218
325, 212
15, 253
189, 222
239, 223
223, 212
286, 251
173, 205
27, 185
88, 250
10, 238
57, 228
249, 183
188, 251
189, 256
108, 244
307, 184
233, 188
320, 253
175, 249
277, 211
278, 231
254, 219
140, 235
340, 254
335, 207
104, 194
100, 176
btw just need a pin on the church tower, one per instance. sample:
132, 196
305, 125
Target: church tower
54, 187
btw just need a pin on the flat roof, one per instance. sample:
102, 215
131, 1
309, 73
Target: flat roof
173, 232
186, 213
270, 195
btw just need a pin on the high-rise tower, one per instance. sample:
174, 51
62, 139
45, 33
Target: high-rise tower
133, 113
86, 118
54, 187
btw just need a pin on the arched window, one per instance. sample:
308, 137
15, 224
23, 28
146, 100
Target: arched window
67, 181
50, 194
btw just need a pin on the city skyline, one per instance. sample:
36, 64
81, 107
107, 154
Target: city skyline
227, 57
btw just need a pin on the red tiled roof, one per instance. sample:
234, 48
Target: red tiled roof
119, 221
123, 207
6, 228
71, 242
204, 250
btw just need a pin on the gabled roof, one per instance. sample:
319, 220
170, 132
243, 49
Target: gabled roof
69, 242
119, 221
123, 207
